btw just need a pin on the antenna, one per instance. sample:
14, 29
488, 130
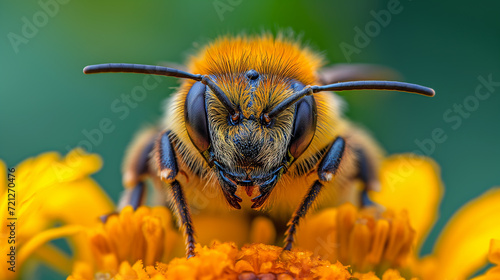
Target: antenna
354, 85
162, 71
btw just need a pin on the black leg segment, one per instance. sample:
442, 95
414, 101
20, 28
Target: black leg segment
142, 166
166, 158
326, 169
301, 212
137, 195
184, 216
330, 163
367, 175
134, 196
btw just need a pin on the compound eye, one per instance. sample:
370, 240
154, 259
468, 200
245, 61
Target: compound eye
195, 115
304, 125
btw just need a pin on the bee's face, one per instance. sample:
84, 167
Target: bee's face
248, 148
247, 151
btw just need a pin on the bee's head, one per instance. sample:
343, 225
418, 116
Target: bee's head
247, 147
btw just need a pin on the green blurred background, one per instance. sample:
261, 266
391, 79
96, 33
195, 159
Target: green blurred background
46, 102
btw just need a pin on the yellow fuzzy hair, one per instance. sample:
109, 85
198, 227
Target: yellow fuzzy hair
266, 54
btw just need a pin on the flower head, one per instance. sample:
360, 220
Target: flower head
336, 243
51, 190
413, 184
363, 238
226, 261
146, 235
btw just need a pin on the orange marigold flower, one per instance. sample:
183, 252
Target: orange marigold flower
133, 244
364, 238
225, 261
335, 243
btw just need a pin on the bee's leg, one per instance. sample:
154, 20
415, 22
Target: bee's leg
326, 169
136, 169
184, 217
168, 170
367, 175
133, 197
139, 171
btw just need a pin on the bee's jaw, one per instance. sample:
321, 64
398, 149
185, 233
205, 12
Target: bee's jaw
230, 181
229, 189
265, 190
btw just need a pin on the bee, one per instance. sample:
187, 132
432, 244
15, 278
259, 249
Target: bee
256, 116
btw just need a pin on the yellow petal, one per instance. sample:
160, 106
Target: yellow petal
359, 244
236, 228
45, 237
365, 276
379, 241
262, 230
82, 271
154, 235
364, 239
494, 254
392, 275
55, 258
412, 183
81, 202
41, 183
3, 178
319, 233
347, 218
76, 164
494, 257
463, 244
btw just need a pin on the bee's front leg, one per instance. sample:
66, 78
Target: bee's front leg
168, 170
326, 169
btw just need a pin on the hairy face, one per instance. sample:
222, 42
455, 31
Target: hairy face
250, 153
